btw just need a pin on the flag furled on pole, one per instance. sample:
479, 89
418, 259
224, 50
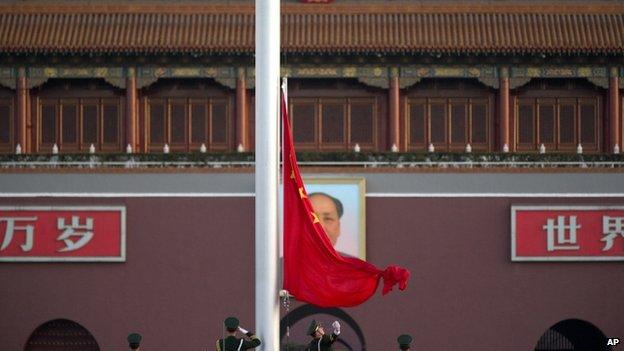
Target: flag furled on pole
313, 271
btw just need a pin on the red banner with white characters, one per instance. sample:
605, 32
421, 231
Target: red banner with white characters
81, 233
567, 233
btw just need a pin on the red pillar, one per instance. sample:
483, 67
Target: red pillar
503, 98
241, 111
131, 111
614, 111
394, 111
22, 110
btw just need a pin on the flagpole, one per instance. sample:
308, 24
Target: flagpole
266, 180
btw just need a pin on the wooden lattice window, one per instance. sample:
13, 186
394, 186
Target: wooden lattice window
7, 143
74, 124
184, 124
558, 123
334, 123
448, 123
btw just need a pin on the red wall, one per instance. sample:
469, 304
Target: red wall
190, 263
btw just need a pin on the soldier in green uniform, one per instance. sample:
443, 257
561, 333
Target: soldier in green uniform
404, 342
321, 341
231, 342
134, 341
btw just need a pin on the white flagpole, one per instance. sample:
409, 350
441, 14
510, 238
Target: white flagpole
266, 181
280, 200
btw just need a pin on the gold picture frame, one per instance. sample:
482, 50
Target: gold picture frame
350, 194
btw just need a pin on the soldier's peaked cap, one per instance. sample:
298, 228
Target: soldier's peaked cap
404, 339
231, 322
314, 325
134, 338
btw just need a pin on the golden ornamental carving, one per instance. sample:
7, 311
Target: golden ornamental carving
50, 72
185, 72
350, 72
422, 72
504, 72
210, 72
318, 72
613, 72
6, 73
474, 72
448, 72
76, 72
559, 72
101, 72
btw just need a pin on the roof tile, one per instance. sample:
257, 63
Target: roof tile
224, 32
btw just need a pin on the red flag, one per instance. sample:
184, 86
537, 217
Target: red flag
313, 271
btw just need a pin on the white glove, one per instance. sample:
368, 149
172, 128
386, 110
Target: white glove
243, 330
336, 326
